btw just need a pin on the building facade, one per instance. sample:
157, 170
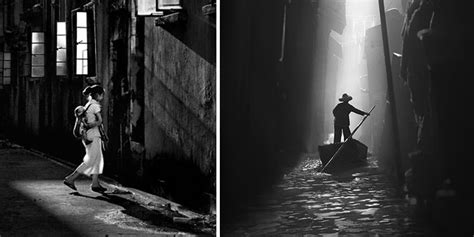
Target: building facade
157, 63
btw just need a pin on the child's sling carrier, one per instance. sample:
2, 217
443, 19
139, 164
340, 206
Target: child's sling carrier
77, 128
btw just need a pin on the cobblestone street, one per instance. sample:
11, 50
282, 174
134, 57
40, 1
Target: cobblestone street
362, 201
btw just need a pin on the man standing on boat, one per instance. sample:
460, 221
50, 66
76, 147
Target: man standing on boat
341, 117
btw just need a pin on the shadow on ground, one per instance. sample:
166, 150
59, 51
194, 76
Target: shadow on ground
158, 217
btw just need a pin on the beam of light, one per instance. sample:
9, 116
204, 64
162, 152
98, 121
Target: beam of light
350, 71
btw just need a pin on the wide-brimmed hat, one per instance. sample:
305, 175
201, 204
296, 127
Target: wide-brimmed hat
345, 97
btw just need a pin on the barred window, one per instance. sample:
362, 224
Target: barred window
61, 49
168, 4
84, 50
7, 57
81, 44
156, 7
37, 54
1, 70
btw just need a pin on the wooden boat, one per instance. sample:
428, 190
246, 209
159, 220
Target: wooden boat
352, 154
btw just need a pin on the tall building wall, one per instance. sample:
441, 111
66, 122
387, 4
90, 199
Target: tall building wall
177, 65
180, 101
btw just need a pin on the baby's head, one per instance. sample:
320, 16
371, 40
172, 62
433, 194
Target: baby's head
79, 111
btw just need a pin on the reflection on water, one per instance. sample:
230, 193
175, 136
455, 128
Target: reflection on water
309, 202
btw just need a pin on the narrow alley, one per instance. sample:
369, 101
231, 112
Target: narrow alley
289, 65
36, 202
359, 201
149, 124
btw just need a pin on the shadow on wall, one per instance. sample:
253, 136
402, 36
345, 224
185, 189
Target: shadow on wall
179, 180
267, 102
195, 31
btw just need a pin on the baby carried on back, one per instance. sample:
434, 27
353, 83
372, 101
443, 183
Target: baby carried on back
80, 127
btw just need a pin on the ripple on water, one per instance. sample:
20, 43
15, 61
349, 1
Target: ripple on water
368, 211
329, 214
313, 206
335, 208
307, 194
324, 195
350, 197
335, 234
313, 202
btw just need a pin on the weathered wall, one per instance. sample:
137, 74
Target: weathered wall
266, 102
38, 111
180, 103
180, 97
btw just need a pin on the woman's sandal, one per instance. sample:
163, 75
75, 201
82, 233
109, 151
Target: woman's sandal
71, 185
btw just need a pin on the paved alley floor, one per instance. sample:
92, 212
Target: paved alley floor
35, 202
307, 203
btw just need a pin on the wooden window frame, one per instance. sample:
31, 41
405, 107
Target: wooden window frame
156, 8
58, 48
90, 60
8, 68
1, 70
34, 65
161, 6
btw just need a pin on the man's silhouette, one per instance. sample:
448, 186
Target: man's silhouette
341, 117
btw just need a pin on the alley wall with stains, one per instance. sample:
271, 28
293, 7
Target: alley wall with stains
159, 108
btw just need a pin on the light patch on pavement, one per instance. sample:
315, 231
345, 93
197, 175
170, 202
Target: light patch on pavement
47, 194
124, 221
67, 208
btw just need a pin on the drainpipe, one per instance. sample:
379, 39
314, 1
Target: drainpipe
391, 93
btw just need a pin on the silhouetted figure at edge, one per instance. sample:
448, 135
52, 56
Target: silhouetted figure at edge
341, 117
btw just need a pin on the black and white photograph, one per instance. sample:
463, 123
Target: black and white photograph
306, 118
108, 118
346, 118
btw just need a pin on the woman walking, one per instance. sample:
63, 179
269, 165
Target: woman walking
93, 162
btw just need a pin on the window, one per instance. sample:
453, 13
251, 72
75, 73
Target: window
7, 57
1, 70
25, 67
37, 54
147, 8
61, 49
81, 44
84, 50
156, 7
168, 4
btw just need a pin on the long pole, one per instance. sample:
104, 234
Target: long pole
345, 141
390, 90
